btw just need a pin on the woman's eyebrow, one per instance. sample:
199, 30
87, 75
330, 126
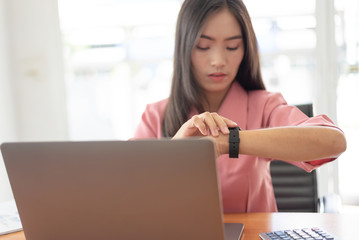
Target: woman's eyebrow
234, 37
227, 39
207, 37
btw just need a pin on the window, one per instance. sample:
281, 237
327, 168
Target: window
347, 37
119, 58
288, 65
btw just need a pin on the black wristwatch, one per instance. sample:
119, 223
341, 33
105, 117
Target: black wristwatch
234, 142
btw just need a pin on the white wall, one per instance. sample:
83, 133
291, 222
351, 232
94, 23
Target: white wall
32, 88
7, 125
37, 69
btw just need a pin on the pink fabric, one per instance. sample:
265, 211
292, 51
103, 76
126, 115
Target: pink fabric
245, 182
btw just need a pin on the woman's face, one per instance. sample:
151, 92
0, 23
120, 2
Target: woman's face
218, 53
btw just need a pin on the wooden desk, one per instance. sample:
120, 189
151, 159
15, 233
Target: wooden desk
344, 226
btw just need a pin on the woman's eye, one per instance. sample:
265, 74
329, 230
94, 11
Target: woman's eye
202, 48
232, 49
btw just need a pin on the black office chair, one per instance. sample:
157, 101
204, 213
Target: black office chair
295, 190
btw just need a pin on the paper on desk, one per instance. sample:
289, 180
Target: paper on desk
9, 218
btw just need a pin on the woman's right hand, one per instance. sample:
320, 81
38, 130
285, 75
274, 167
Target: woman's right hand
205, 124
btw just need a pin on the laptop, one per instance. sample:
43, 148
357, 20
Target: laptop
143, 189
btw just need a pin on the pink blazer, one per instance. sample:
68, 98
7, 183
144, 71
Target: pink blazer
245, 182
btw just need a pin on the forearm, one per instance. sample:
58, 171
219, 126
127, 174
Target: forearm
290, 143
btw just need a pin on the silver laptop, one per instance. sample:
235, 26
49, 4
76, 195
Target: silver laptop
148, 189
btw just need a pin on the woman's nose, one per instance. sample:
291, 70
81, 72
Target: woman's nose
218, 59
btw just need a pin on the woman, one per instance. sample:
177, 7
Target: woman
216, 85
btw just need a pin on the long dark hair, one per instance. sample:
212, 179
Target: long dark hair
185, 92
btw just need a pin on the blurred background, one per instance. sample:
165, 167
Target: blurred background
85, 69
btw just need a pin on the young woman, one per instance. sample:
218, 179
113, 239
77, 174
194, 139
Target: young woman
217, 85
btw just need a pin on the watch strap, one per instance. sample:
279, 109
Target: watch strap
234, 141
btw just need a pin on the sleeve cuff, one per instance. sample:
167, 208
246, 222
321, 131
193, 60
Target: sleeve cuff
321, 161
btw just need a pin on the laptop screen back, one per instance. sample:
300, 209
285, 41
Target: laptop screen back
150, 189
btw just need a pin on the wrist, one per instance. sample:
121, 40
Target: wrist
221, 144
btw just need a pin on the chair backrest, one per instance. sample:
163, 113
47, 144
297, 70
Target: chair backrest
295, 190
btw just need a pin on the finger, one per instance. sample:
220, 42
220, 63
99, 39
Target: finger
222, 125
210, 122
199, 124
229, 123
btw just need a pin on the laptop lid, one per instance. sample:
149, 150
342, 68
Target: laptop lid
149, 189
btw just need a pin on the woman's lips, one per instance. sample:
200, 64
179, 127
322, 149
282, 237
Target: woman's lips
217, 77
